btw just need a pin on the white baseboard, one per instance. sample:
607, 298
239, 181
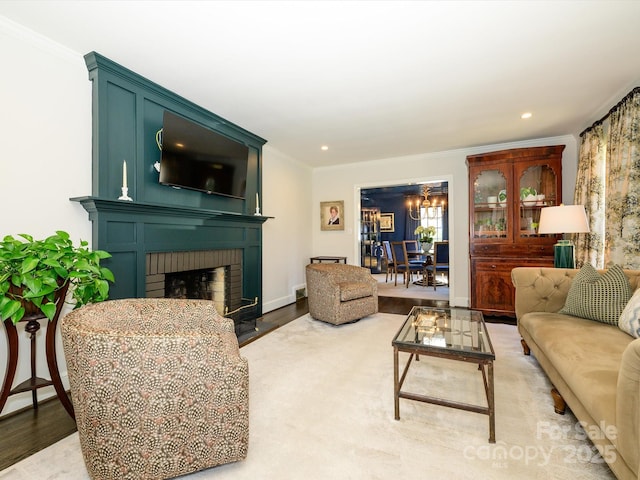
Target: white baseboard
279, 302
283, 301
460, 302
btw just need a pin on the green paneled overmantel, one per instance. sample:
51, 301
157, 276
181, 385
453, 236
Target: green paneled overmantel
127, 112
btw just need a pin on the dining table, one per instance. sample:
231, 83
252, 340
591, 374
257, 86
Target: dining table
427, 277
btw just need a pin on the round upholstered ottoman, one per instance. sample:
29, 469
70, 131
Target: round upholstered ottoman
158, 386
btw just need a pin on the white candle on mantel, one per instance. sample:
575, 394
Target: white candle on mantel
124, 173
257, 202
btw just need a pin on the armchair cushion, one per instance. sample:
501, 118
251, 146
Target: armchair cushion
354, 290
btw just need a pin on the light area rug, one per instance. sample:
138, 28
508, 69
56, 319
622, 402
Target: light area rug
388, 289
321, 407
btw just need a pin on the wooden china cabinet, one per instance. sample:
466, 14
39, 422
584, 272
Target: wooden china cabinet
507, 190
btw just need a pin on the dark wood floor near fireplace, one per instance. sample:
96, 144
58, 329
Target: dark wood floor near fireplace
26, 432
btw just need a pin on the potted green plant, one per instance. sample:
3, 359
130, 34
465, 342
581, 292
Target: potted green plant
33, 271
528, 195
502, 197
425, 236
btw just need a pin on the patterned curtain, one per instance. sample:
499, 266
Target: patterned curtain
622, 229
608, 185
590, 192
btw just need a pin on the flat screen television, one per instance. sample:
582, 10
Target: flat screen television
198, 158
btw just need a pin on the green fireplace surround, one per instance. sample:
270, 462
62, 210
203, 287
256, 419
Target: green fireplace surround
127, 112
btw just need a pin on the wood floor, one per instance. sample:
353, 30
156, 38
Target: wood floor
26, 432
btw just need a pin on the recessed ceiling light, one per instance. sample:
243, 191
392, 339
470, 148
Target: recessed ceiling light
324, 147
526, 115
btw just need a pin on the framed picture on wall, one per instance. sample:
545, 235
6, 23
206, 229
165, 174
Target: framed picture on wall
387, 222
331, 215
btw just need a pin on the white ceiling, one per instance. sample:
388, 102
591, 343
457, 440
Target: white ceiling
370, 79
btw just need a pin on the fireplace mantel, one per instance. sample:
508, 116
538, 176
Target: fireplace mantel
93, 205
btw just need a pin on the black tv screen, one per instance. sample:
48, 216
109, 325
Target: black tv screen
198, 158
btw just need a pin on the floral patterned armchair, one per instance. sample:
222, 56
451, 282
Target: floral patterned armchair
158, 386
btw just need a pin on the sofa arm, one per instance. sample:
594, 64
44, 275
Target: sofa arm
628, 406
541, 289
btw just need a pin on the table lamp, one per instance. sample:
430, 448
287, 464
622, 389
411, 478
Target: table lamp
563, 219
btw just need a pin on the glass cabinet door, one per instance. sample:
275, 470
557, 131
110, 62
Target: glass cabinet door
537, 188
490, 205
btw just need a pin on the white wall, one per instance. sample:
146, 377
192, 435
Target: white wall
46, 157
46, 136
345, 181
286, 238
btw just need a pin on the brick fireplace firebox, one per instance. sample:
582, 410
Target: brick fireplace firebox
161, 264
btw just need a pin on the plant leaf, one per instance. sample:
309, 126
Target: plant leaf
34, 285
82, 264
3, 302
29, 264
102, 254
49, 310
51, 262
11, 309
107, 274
103, 288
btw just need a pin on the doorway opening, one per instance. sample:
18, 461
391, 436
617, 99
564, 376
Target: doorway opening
393, 213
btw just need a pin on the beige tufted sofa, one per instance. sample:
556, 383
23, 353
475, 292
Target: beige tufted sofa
158, 386
594, 367
339, 293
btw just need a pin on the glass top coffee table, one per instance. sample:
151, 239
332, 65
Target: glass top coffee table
450, 333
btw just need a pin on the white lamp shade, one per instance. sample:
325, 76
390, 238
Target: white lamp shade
563, 219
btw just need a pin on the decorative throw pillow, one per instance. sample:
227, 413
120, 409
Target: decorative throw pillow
598, 297
629, 321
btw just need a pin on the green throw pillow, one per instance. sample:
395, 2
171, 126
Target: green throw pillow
598, 297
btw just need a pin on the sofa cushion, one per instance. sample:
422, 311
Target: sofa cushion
586, 354
629, 321
354, 290
598, 297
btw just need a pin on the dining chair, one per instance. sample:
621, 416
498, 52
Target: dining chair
440, 261
391, 266
402, 263
412, 245
414, 253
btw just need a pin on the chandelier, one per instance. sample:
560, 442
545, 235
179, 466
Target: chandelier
429, 209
